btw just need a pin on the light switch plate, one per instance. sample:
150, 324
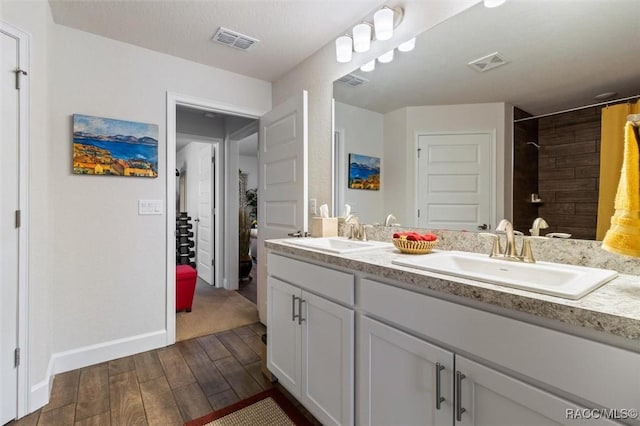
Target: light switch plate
146, 207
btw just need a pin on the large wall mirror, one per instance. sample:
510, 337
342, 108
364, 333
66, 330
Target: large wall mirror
452, 156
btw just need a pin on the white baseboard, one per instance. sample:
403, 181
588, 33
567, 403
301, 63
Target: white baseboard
40, 391
89, 355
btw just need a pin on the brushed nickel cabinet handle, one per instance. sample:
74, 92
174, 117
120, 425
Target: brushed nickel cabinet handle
439, 397
300, 302
459, 408
293, 307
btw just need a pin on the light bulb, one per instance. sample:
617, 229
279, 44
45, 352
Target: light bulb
369, 66
386, 57
383, 23
344, 49
408, 45
361, 37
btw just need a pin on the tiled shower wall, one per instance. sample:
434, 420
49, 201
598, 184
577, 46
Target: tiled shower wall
568, 171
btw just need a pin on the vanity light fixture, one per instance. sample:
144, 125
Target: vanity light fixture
369, 66
385, 58
362, 37
384, 22
493, 3
408, 45
344, 49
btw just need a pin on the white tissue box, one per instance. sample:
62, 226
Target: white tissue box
324, 226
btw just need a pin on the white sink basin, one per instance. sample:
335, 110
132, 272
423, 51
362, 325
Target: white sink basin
554, 279
337, 244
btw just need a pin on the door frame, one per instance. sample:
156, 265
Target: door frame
493, 184
229, 219
23, 391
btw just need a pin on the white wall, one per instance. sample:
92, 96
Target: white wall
98, 269
440, 118
395, 157
249, 165
35, 18
363, 134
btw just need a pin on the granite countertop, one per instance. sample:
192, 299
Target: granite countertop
613, 308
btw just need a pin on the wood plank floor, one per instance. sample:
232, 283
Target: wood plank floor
166, 386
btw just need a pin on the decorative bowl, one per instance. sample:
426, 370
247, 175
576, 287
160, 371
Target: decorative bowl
414, 247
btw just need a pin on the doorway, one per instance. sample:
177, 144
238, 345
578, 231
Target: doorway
14, 217
206, 154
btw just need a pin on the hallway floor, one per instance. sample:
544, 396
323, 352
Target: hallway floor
214, 310
249, 287
167, 386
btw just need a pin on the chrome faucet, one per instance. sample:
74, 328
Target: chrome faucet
510, 252
538, 224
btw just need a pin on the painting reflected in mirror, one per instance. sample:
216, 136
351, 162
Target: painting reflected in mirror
550, 107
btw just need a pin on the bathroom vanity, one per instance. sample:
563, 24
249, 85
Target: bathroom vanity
360, 340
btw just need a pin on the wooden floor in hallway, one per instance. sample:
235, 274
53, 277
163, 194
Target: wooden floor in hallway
166, 386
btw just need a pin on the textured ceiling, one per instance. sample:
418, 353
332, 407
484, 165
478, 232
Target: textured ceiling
562, 54
289, 30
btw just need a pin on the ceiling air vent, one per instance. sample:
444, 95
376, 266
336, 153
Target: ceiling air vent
488, 62
234, 39
352, 80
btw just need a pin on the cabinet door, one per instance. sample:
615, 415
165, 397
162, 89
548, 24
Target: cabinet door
398, 378
491, 398
283, 334
327, 360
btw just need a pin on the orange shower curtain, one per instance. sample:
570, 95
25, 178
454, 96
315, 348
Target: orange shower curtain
611, 150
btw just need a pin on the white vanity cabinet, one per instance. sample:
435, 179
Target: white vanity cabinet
404, 380
310, 346
424, 360
398, 371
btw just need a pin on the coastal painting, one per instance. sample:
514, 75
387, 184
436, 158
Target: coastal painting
105, 146
364, 172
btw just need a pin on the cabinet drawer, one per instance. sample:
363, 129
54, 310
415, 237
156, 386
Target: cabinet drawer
326, 282
599, 373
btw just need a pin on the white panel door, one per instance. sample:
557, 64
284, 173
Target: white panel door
9, 174
491, 398
454, 181
284, 334
400, 377
205, 244
282, 179
327, 360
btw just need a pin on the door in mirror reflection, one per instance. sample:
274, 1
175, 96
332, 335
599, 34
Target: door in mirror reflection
454, 182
